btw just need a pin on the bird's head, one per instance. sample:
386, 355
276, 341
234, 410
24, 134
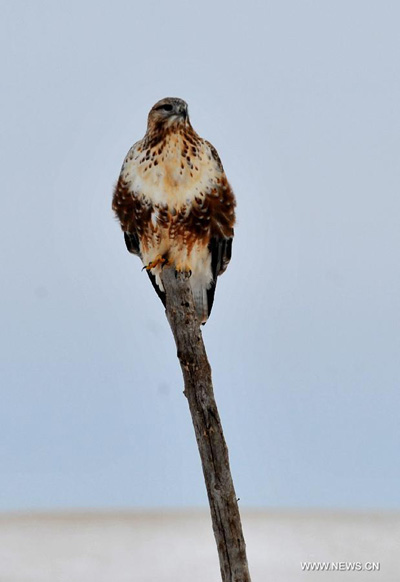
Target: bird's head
167, 112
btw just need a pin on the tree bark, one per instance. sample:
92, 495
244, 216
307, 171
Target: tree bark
196, 371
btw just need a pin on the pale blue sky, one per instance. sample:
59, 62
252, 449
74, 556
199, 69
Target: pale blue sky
301, 99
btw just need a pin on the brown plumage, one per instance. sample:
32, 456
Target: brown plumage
175, 204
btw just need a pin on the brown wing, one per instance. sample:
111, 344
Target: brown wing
133, 213
221, 207
221, 252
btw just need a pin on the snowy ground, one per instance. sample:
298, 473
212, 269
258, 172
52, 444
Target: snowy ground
179, 546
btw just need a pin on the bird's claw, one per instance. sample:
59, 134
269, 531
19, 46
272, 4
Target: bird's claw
157, 261
186, 274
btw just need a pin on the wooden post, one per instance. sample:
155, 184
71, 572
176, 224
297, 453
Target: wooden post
213, 451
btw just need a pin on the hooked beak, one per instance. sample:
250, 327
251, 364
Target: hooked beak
183, 112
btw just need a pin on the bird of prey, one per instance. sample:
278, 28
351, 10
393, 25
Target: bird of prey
175, 204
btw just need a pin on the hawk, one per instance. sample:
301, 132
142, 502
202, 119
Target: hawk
175, 204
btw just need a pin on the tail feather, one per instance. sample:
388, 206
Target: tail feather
203, 300
200, 303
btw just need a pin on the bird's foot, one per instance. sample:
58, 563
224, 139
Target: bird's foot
159, 260
183, 270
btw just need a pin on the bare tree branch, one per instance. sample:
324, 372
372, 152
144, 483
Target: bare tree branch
207, 425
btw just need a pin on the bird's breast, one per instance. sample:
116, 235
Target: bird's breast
173, 173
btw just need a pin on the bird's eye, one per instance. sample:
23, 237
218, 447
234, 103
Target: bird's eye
166, 107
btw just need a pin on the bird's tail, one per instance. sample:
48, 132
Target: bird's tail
203, 296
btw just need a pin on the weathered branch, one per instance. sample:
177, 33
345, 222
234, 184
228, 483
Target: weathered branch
207, 425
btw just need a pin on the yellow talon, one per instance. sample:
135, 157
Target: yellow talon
185, 270
159, 260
